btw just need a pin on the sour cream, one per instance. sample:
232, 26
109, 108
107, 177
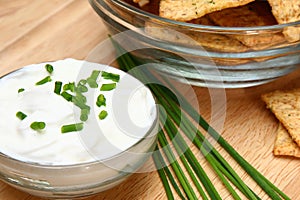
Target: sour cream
130, 106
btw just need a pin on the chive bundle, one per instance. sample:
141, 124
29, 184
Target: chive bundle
180, 116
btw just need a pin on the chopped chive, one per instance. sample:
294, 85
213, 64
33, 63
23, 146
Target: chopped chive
69, 86
49, 68
83, 117
92, 82
44, 80
82, 82
102, 115
110, 76
95, 74
80, 104
85, 111
81, 98
81, 88
80, 101
21, 90
84, 114
108, 87
67, 96
38, 126
101, 100
71, 127
57, 87
21, 115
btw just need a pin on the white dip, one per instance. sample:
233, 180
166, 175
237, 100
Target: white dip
130, 107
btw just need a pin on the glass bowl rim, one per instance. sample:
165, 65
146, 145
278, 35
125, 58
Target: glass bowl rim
136, 11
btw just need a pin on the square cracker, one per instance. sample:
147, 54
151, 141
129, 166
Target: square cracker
250, 15
286, 11
186, 10
286, 107
284, 144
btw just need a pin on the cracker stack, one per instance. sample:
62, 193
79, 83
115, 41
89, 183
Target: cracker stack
285, 105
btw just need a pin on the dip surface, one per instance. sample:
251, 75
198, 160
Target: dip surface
130, 106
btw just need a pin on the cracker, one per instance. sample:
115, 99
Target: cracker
286, 11
186, 10
216, 41
284, 144
286, 107
250, 15
206, 40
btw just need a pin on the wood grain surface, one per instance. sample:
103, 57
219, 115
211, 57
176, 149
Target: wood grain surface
34, 31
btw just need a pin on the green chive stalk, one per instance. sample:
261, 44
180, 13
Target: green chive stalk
264, 183
212, 156
165, 174
176, 167
168, 100
158, 164
213, 162
181, 148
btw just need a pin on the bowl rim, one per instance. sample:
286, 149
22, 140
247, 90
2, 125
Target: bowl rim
93, 162
139, 12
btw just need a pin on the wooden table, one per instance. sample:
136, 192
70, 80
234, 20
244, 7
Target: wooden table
35, 31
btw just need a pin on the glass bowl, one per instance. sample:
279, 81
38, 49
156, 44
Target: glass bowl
172, 47
70, 181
